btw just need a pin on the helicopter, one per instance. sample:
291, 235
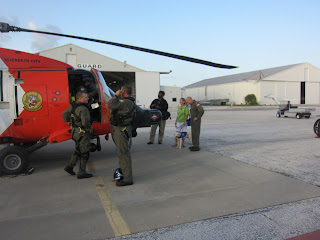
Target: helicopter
35, 90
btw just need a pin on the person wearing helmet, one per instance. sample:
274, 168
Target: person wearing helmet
88, 87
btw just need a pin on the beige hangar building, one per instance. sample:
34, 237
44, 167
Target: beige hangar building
299, 83
145, 85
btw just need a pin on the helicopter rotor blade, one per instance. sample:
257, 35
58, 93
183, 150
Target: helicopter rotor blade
4, 27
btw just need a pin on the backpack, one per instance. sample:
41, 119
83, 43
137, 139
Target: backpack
166, 115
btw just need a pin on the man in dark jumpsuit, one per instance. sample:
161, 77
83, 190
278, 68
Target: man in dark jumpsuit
196, 112
121, 131
161, 104
79, 115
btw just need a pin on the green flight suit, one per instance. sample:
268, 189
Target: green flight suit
121, 133
196, 111
81, 138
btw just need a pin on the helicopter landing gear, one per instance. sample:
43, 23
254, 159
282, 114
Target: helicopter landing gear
13, 160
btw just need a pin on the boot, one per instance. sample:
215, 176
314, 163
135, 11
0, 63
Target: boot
84, 175
122, 183
69, 170
194, 149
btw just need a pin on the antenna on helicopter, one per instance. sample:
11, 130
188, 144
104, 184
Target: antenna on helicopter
5, 27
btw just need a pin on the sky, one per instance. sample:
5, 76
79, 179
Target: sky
252, 35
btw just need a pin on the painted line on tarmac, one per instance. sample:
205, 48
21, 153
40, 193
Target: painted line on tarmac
118, 224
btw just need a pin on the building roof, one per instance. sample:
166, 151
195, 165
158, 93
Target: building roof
254, 75
92, 52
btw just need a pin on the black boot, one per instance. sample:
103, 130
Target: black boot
69, 170
194, 149
84, 175
122, 183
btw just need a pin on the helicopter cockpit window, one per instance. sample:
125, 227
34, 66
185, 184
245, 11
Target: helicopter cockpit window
1, 87
107, 92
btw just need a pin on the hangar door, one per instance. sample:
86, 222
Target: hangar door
303, 93
145, 85
115, 80
147, 88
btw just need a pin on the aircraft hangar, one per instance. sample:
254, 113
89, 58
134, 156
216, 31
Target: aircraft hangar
299, 83
115, 73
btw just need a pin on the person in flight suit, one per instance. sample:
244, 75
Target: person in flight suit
121, 131
88, 86
79, 115
161, 104
196, 112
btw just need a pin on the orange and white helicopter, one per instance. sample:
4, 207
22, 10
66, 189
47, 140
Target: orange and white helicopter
35, 90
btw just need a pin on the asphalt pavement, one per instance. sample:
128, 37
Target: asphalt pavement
254, 178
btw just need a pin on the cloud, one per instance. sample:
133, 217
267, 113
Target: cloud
43, 41
5, 37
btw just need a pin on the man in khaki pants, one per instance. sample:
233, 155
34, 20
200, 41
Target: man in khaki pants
161, 104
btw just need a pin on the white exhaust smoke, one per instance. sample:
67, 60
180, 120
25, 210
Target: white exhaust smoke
42, 41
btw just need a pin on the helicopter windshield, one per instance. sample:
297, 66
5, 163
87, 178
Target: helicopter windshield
107, 92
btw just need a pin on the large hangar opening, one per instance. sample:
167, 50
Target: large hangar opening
115, 80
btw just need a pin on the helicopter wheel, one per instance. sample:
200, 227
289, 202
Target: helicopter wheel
13, 160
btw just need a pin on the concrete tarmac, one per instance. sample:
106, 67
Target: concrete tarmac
172, 187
